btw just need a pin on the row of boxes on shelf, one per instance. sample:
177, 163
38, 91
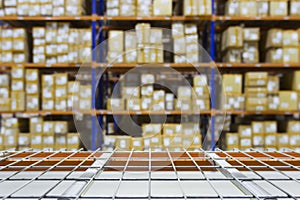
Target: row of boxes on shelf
148, 8
145, 44
264, 135
261, 92
59, 43
158, 136
242, 45
42, 134
262, 8
14, 47
42, 8
57, 92
146, 98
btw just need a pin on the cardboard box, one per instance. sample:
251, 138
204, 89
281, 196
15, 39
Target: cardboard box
130, 92
273, 84
288, 101
291, 55
257, 79
147, 90
157, 106
171, 129
73, 87
183, 105
146, 103
17, 101
172, 141
279, 8
60, 141
294, 140
245, 131
190, 129
282, 140
48, 141
200, 81
137, 143
162, 8
273, 102
48, 104
256, 92
184, 93
274, 38
133, 104
290, 38
85, 91
36, 141
258, 139
200, 92
143, 32
270, 140
194, 142
60, 104
130, 40
177, 29
245, 143
256, 103
73, 141
123, 143
32, 103
201, 104
234, 102
61, 127
116, 41
262, 8
258, 127
232, 140
274, 56
115, 104
232, 37
147, 79
48, 127
270, 126
251, 34
151, 129
232, 83
154, 141
4, 80
293, 127
294, 7
248, 8
179, 45
159, 95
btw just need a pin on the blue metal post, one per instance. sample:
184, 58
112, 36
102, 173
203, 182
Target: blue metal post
94, 117
212, 76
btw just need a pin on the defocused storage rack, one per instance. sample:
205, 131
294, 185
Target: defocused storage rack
156, 175
98, 20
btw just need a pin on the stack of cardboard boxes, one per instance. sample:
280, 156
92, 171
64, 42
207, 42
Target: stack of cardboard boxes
158, 137
142, 46
282, 46
9, 132
58, 43
32, 90
196, 98
42, 8
4, 92
14, 48
185, 42
263, 135
241, 45
262, 8
17, 89
232, 87
140, 8
197, 7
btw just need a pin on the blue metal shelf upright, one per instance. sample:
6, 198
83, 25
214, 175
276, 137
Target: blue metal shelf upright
212, 74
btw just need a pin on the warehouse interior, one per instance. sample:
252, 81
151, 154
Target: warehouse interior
150, 99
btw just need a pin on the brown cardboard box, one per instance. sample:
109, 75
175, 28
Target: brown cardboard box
143, 32
234, 102
291, 55
270, 126
61, 79
256, 91
288, 101
179, 45
130, 92
32, 75
190, 129
32, 103
17, 101
201, 104
282, 140
159, 95
256, 79
233, 56
296, 81
48, 141
258, 127
61, 91
24, 139
138, 143
73, 141
123, 143
48, 127
290, 38
274, 38
200, 92
184, 93
73, 87
273, 102
245, 131
116, 41
183, 105
232, 37
258, 139
85, 91
171, 129
4, 80
274, 56
162, 8
115, 104
17, 85
36, 141
245, 143
157, 106
147, 90
294, 140
60, 141
200, 81
85, 104
251, 34
194, 141
151, 129
293, 127
294, 7
61, 127
278, 8
232, 140
36, 125
47, 80
60, 104
273, 84
146, 103
256, 103
232, 83
172, 141
48, 104
133, 104
248, 8
232, 8
271, 140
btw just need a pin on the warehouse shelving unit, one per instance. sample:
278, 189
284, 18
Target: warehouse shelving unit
98, 21
150, 175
